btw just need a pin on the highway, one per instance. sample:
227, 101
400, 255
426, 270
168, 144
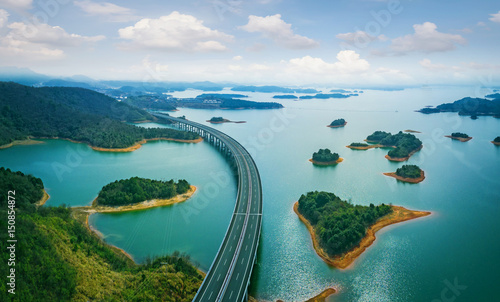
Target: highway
229, 275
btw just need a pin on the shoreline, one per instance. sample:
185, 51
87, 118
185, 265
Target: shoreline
407, 179
327, 163
401, 159
345, 260
24, 142
100, 149
321, 297
496, 143
338, 126
462, 139
44, 199
411, 131
90, 210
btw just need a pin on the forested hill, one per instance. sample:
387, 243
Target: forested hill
73, 113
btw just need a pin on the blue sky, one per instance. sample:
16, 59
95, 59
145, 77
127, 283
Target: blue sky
334, 43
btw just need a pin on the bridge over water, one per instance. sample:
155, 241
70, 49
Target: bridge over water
229, 275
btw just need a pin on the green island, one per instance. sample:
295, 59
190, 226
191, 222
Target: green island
362, 146
325, 157
58, 258
459, 136
79, 115
286, 97
408, 173
337, 123
404, 144
496, 141
220, 120
340, 230
134, 190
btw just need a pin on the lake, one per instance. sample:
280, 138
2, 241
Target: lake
412, 261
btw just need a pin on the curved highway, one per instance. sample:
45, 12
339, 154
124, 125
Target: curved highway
229, 275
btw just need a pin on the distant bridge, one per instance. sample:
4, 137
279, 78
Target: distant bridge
229, 275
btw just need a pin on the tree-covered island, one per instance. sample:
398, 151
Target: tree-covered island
220, 120
404, 144
338, 123
496, 141
408, 173
459, 136
58, 258
340, 230
132, 194
325, 157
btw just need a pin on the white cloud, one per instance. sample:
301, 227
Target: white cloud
427, 64
237, 58
17, 4
4, 17
110, 11
274, 28
360, 37
250, 68
42, 41
495, 17
348, 61
426, 39
174, 32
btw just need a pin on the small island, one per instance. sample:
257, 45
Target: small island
286, 97
412, 131
221, 120
408, 173
337, 123
496, 141
341, 231
459, 136
404, 144
140, 193
362, 146
325, 157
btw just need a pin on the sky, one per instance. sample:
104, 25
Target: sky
334, 43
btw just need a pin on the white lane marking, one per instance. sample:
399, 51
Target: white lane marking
237, 276
218, 277
246, 247
231, 294
231, 248
210, 295
225, 261
243, 259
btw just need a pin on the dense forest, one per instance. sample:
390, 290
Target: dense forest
154, 102
459, 134
325, 155
468, 106
405, 143
339, 225
409, 171
58, 259
135, 189
73, 113
338, 122
497, 139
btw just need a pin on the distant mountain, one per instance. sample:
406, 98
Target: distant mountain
468, 106
23, 76
273, 89
64, 83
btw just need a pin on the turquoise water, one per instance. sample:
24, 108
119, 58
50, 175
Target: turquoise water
412, 261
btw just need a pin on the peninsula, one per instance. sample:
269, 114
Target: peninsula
408, 173
221, 120
78, 115
337, 123
363, 146
341, 231
459, 136
496, 141
325, 157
